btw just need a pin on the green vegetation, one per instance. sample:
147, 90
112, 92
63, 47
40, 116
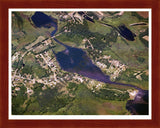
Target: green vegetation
17, 21
17, 65
129, 77
51, 101
47, 102
33, 67
87, 103
112, 95
97, 27
35, 70
140, 59
141, 35
72, 88
18, 100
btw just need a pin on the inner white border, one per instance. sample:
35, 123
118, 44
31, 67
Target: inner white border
81, 117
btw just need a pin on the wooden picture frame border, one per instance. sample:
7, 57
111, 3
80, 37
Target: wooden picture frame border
6, 4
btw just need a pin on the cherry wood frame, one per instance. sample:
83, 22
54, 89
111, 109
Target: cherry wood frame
6, 4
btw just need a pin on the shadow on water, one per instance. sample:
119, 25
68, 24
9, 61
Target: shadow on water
139, 106
75, 60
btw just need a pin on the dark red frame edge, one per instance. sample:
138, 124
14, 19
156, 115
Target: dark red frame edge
5, 5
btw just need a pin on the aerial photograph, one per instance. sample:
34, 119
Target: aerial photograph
79, 62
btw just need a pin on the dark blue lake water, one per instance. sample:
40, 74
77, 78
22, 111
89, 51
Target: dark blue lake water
42, 20
76, 60
126, 33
